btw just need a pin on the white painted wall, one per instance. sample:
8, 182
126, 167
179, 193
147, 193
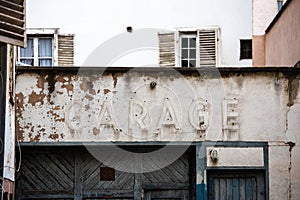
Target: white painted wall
94, 22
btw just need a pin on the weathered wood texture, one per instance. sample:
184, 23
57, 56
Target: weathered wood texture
207, 43
45, 173
72, 173
236, 186
166, 49
65, 50
12, 22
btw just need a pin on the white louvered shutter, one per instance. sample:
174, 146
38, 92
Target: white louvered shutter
12, 22
166, 49
65, 50
208, 40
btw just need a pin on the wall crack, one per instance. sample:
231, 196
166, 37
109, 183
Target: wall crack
291, 144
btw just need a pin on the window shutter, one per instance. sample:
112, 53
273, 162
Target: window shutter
12, 22
208, 47
166, 49
65, 50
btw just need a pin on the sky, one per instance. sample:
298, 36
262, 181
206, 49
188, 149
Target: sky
95, 21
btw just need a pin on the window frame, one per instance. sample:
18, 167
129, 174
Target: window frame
188, 35
43, 33
36, 57
186, 30
242, 50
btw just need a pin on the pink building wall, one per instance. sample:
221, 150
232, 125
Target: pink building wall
282, 40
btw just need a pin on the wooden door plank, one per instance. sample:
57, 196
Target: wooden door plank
78, 177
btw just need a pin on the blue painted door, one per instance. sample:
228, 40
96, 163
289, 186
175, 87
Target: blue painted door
236, 185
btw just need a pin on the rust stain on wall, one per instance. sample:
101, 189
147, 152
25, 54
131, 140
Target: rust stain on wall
40, 82
42, 130
87, 85
115, 79
36, 138
66, 82
106, 91
69, 87
96, 131
53, 136
34, 98
56, 117
89, 97
61, 79
19, 132
20, 102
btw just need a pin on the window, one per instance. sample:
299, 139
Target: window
246, 49
39, 52
188, 50
190, 47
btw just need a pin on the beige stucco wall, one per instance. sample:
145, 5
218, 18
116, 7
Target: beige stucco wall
283, 39
258, 50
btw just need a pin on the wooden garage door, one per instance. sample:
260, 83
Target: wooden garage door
236, 185
72, 173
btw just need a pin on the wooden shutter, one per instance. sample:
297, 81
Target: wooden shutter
12, 22
166, 49
65, 50
207, 47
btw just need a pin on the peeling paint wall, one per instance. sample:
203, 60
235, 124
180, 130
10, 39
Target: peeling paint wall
9, 147
67, 107
156, 105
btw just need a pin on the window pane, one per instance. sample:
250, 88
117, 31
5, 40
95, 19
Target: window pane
192, 53
45, 62
184, 53
184, 42
28, 51
45, 47
192, 42
246, 49
184, 63
192, 63
27, 61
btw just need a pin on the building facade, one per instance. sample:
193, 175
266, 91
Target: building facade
275, 33
148, 133
47, 47
12, 34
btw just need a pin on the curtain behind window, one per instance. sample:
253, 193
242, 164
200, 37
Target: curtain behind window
28, 51
26, 54
45, 51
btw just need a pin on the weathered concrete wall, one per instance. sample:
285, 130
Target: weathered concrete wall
69, 107
129, 105
283, 38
